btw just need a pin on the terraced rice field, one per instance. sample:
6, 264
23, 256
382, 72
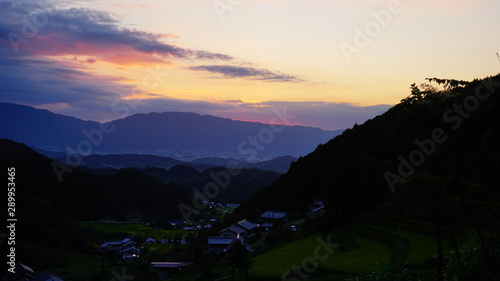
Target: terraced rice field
379, 242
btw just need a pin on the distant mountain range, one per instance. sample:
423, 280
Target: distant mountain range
141, 161
183, 136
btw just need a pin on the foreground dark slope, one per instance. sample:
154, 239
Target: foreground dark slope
348, 171
84, 196
239, 188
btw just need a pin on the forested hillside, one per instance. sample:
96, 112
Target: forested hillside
450, 135
425, 174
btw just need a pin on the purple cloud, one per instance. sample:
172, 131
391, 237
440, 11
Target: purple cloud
85, 31
229, 71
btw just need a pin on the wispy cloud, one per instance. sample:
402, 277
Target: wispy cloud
229, 71
82, 31
41, 81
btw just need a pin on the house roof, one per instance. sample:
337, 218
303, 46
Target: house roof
130, 250
317, 209
175, 264
25, 267
240, 227
236, 229
46, 276
247, 225
277, 215
220, 240
111, 243
228, 242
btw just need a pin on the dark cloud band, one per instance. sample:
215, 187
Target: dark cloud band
80, 30
229, 71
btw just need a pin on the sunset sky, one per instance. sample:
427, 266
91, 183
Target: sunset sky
101, 60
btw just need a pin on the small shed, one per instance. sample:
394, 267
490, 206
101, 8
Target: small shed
219, 244
150, 241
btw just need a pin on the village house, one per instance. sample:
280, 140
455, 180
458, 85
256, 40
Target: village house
129, 254
317, 210
270, 218
232, 231
222, 244
116, 246
124, 251
165, 270
219, 244
316, 207
150, 241
242, 228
